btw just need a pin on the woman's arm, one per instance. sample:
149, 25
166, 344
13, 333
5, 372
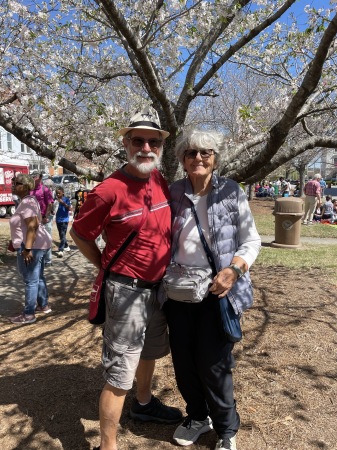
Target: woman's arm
249, 244
32, 224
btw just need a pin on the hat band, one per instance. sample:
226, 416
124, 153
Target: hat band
144, 124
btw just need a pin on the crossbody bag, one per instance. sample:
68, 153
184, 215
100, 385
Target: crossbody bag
97, 296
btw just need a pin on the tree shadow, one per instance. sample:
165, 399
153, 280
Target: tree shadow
55, 411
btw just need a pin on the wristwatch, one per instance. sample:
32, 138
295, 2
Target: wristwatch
237, 270
27, 249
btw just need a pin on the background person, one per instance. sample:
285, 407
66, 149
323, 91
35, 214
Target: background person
31, 242
327, 208
117, 206
285, 187
201, 352
312, 191
62, 220
51, 217
334, 211
45, 199
323, 186
80, 197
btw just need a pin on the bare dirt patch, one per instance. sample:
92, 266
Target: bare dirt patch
285, 379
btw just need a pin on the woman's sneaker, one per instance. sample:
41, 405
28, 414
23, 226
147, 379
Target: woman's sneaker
226, 444
189, 431
45, 309
23, 319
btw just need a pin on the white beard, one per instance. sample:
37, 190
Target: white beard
145, 167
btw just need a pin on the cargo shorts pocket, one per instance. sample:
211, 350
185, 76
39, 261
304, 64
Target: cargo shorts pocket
126, 316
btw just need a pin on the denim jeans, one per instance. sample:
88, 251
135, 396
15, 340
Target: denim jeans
48, 227
35, 283
62, 229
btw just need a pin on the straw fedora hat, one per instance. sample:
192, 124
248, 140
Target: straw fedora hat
146, 119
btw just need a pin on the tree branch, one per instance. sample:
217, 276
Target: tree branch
189, 93
280, 130
10, 100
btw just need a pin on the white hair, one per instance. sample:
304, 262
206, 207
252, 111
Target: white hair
199, 139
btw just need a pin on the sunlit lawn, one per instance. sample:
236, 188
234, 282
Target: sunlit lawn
309, 255
265, 224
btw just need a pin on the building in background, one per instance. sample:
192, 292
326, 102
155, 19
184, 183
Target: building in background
329, 164
12, 149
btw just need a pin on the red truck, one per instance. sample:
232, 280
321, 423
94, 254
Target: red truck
8, 170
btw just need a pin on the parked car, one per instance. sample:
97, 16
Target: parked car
63, 179
70, 183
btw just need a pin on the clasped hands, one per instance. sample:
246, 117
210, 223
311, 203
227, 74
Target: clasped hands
223, 282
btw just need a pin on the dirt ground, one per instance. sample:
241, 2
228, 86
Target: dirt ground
285, 379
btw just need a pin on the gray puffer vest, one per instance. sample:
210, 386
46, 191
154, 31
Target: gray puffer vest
224, 222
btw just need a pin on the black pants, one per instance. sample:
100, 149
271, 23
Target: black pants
202, 359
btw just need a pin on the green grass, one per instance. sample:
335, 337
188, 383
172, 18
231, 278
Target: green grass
306, 256
315, 255
265, 224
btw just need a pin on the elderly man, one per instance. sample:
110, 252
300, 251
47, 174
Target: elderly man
134, 198
312, 191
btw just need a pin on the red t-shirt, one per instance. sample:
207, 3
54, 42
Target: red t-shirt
116, 206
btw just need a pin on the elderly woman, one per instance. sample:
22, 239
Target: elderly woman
31, 242
201, 350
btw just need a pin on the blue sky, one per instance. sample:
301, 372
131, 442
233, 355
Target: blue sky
298, 7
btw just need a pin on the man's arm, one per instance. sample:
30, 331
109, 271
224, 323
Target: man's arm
88, 249
318, 194
49, 209
49, 201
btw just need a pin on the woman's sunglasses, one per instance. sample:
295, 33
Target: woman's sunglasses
205, 154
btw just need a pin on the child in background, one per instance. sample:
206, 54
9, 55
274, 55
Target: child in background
334, 212
327, 208
62, 220
317, 214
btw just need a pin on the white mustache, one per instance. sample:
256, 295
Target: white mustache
146, 155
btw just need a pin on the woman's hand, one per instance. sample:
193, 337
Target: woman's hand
223, 282
27, 256
225, 279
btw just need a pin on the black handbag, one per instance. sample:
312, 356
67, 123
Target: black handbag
230, 320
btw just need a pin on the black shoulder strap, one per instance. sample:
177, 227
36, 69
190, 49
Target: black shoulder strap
129, 239
208, 252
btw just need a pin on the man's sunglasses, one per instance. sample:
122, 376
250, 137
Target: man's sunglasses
140, 142
192, 154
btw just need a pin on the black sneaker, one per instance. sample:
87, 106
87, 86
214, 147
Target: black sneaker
155, 411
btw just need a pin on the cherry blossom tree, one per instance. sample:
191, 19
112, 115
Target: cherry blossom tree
73, 72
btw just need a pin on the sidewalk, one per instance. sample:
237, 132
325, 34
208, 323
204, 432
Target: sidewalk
304, 240
61, 277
